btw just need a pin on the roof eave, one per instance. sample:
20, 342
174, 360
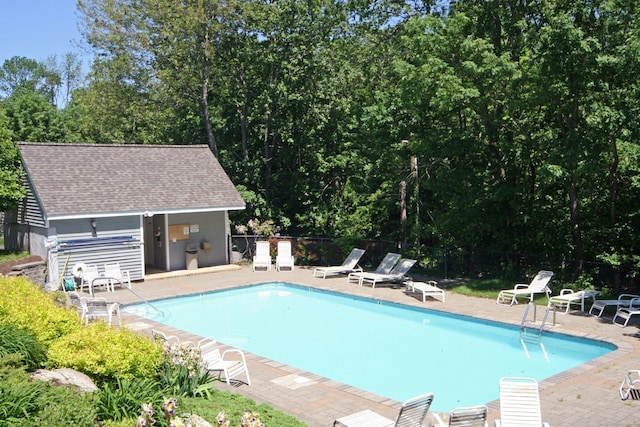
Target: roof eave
145, 213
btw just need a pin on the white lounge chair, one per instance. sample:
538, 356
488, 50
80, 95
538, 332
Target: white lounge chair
625, 313
349, 265
471, 416
215, 361
537, 286
386, 265
262, 257
397, 274
429, 288
99, 308
519, 403
412, 414
630, 387
568, 297
113, 273
284, 258
624, 300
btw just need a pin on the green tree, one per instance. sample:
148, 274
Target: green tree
32, 118
11, 188
21, 74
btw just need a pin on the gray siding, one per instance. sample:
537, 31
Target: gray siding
211, 230
117, 239
29, 211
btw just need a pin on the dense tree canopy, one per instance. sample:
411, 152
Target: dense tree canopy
503, 124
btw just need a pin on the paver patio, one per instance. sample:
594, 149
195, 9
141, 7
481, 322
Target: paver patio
584, 396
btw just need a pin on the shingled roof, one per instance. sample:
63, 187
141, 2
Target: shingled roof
93, 179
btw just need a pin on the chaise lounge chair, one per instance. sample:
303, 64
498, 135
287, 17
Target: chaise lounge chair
472, 416
215, 361
262, 258
625, 313
284, 258
412, 414
569, 296
429, 288
537, 286
624, 300
385, 267
630, 387
397, 274
519, 403
349, 265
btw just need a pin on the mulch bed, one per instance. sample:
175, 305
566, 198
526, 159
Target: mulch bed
6, 266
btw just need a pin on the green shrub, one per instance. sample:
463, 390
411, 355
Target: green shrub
37, 403
61, 407
122, 398
106, 353
26, 306
20, 398
14, 339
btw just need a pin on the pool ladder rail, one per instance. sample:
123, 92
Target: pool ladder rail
533, 335
122, 285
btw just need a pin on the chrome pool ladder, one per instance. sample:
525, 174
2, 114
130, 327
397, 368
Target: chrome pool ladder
533, 335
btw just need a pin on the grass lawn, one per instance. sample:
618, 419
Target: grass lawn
10, 255
489, 288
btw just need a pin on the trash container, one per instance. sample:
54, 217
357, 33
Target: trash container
191, 255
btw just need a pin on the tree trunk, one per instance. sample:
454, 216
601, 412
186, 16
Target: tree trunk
576, 230
614, 184
204, 112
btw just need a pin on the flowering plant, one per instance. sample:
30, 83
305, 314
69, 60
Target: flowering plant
184, 354
169, 406
249, 419
264, 228
145, 420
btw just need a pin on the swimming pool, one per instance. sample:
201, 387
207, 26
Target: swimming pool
389, 349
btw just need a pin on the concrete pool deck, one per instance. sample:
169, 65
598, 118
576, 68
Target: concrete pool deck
584, 396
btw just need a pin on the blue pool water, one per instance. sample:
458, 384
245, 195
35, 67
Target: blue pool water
389, 349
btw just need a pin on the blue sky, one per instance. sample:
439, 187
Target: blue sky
38, 29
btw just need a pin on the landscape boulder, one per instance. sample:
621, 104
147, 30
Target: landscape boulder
63, 377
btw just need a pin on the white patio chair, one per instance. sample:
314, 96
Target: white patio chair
215, 361
112, 271
599, 305
630, 387
99, 308
262, 257
284, 258
625, 313
519, 403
